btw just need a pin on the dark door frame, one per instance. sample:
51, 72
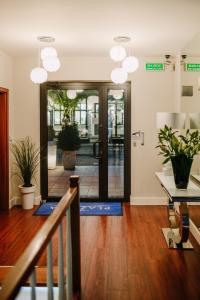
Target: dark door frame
4, 151
102, 87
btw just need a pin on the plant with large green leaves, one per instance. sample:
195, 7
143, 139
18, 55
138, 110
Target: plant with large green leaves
27, 158
172, 144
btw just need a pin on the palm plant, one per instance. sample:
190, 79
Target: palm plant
69, 106
27, 158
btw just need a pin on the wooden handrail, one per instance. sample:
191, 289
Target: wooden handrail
25, 264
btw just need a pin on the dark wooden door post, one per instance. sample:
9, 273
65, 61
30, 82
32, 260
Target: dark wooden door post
4, 151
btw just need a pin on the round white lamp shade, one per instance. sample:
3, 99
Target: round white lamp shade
119, 75
71, 94
130, 64
51, 64
38, 75
48, 52
117, 53
117, 94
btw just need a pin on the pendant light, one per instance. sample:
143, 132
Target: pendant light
119, 75
38, 75
50, 61
117, 53
48, 52
51, 64
71, 94
129, 64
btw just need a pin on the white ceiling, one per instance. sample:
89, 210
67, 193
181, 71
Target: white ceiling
87, 27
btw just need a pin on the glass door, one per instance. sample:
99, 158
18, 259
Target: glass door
115, 143
65, 158
85, 131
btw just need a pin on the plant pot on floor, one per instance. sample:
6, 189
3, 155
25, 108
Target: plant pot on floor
69, 160
27, 196
181, 165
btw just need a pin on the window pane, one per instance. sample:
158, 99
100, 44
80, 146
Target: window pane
77, 116
57, 120
83, 117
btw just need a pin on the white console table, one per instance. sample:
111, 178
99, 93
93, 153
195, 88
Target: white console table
177, 236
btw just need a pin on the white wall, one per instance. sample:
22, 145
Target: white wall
6, 81
151, 92
191, 104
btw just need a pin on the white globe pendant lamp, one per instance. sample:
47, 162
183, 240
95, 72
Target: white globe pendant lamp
119, 75
38, 75
130, 64
71, 94
51, 63
117, 94
117, 53
49, 59
48, 52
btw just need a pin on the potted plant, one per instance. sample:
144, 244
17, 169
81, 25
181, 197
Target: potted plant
68, 138
27, 158
180, 150
69, 141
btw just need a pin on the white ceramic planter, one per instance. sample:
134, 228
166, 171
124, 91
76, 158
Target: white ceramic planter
27, 196
52, 148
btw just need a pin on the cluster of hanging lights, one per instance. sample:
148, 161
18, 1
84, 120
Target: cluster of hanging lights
48, 62
129, 64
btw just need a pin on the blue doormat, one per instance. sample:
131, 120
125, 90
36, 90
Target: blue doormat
86, 209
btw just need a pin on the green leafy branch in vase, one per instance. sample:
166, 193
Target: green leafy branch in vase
171, 144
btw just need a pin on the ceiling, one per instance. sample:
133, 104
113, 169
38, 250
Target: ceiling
87, 27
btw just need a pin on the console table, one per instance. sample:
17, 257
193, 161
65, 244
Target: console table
177, 236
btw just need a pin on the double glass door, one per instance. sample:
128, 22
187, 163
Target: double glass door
100, 113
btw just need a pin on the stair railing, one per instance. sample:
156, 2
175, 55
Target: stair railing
68, 286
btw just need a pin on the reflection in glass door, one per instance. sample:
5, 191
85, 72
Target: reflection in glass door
78, 111
115, 143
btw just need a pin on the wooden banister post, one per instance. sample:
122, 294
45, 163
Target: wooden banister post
75, 236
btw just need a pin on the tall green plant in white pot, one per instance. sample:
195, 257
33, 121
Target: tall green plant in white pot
27, 158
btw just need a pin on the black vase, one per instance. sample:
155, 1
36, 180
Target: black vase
181, 165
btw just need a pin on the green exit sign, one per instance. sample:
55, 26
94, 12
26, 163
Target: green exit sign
155, 67
193, 67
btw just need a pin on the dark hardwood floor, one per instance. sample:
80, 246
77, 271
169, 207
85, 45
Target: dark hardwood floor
122, 257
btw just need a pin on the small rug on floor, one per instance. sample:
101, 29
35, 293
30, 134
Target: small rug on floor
86, 209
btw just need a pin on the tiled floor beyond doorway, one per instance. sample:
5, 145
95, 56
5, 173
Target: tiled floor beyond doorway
58, 181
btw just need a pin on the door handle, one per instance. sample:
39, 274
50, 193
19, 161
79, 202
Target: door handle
95, 155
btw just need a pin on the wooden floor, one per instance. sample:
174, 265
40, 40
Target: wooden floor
122, 257
194, 211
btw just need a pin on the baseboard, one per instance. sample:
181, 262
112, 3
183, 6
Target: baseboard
14, 201
17, 201
195, 231
148, 200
